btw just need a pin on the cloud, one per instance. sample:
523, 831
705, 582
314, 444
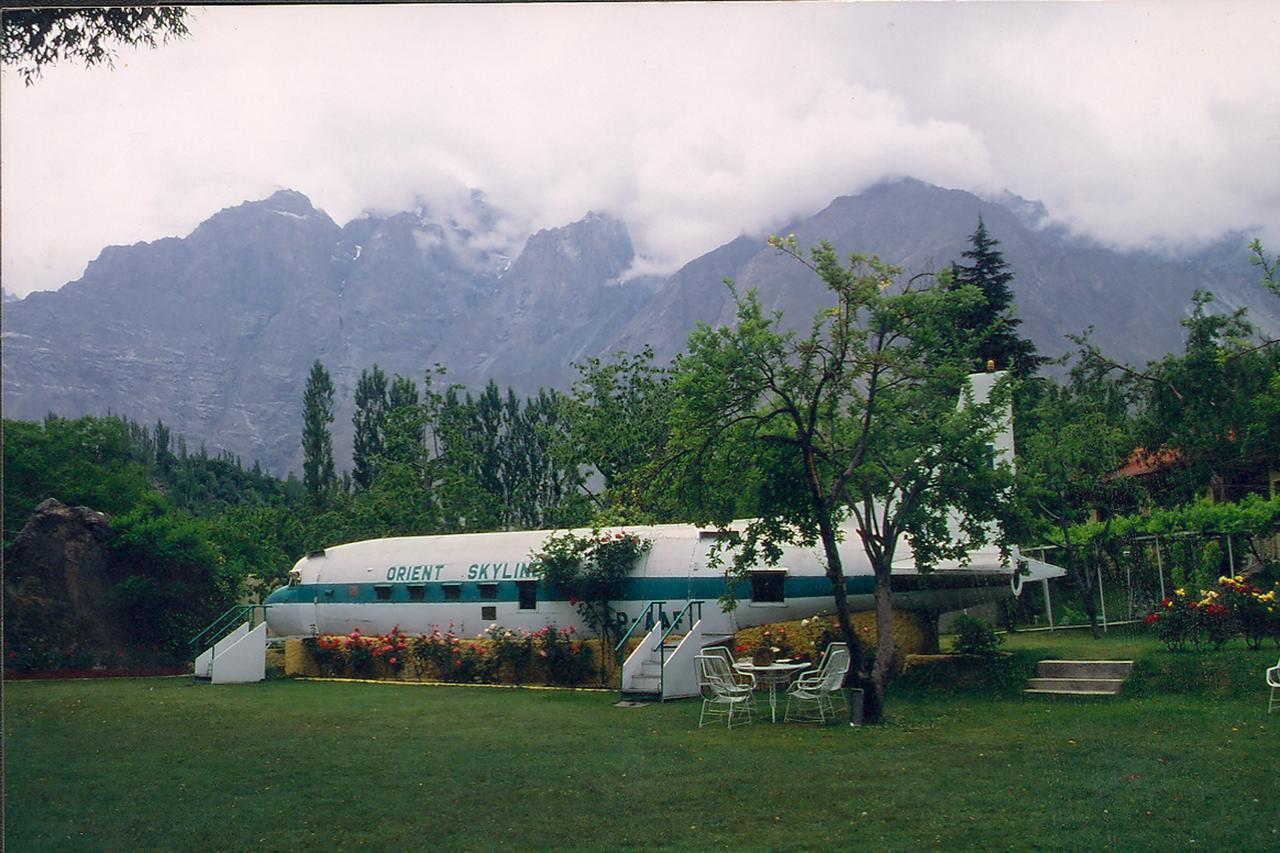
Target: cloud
1136, 124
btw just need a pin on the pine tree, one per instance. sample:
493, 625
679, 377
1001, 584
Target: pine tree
317, 444
994, 320
369, 422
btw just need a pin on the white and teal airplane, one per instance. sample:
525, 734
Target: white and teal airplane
471, 581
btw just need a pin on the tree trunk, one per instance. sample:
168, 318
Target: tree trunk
871, 709
886, 651
1083, 581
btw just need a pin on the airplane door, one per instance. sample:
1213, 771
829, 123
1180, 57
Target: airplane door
320, 594
707, 583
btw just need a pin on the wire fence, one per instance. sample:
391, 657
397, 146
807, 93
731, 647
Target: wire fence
1129, 577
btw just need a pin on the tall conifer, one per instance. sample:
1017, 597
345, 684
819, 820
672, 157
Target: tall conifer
317, 444
369, 422
994, 320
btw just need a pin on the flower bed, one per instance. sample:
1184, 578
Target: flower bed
800, 638
1236, 608
552, 656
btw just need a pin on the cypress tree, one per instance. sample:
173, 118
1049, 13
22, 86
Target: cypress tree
317, 444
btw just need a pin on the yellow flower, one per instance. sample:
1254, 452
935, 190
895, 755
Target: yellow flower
1180, 592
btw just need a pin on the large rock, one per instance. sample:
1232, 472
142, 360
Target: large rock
57, 581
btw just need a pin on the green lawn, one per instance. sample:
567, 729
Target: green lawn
163, 763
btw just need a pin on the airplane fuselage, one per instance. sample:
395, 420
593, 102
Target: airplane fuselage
471, 581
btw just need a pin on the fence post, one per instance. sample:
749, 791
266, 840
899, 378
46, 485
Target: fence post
1102, 598
1128, 579
1160, 568
1048, 602
1231, 560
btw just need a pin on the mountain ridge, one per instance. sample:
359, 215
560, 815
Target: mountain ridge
214, 332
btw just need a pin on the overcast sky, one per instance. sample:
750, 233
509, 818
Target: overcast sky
1151, 125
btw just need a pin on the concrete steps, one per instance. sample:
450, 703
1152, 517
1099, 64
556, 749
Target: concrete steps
1079, 677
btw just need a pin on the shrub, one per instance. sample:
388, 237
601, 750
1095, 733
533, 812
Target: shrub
563, 655
975, 637
512, 650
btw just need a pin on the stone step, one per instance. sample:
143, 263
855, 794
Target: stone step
641, 680
1086, 669
1070, 692
641, 696
1085, 686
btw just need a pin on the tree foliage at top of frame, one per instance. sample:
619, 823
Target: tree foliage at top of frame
36, 38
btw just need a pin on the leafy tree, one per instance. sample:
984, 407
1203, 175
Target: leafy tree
1071, 444
85, 461
1270, 266
404, 392
857, 420
992, 319
493, 462
172, 580
616, 423
1215, 407
550, 494
317, 444
258, 541
1216, 404
368, 420
35, 38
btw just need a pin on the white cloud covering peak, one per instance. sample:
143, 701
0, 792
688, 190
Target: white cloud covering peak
1139, 124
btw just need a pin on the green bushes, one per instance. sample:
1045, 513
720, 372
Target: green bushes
975, 637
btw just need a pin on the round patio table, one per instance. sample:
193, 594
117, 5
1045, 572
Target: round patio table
771, 676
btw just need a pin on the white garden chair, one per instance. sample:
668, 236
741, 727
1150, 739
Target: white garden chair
742, 679
722, 697
1273, 681
809, 696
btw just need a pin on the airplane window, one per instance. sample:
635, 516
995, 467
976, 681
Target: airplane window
488, 592
767, 586
418, 592
383, 592
528, 594
453, 592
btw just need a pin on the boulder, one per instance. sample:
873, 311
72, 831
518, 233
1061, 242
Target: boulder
58, 581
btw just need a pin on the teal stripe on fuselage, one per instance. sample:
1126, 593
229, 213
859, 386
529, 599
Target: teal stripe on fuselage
634, 589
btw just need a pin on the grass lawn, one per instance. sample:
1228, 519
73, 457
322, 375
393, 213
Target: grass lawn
282, 765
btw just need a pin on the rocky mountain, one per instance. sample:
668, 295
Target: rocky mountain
214, 333
1062, 285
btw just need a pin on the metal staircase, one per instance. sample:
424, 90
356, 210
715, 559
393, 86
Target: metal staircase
662, 666
240, 653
